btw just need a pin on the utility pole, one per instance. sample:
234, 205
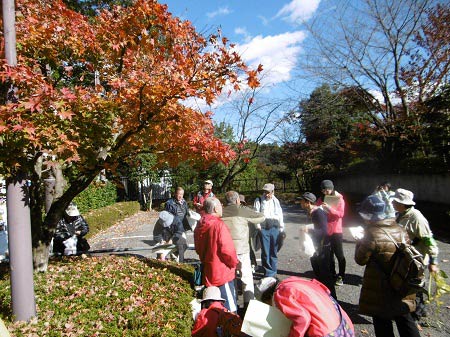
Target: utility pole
18, 205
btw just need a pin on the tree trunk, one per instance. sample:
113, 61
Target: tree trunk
41, 254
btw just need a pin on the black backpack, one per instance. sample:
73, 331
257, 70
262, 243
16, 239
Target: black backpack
407, 270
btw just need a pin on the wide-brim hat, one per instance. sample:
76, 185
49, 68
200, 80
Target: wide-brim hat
212, 294
268, 187
404, 197
372, 209
72, 210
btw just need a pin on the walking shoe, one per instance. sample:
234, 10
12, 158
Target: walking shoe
339, 281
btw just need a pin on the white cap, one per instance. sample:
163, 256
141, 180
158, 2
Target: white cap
268, 187
209, 182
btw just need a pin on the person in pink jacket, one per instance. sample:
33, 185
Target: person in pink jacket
309, 305
335, 213
215, 247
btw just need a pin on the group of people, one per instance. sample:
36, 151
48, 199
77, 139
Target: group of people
222, 240
375, 251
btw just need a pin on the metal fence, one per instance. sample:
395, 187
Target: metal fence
163, 189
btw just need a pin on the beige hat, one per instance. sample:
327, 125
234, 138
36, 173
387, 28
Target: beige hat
404, 197
209, 182
212, 294
268, 187
72, 210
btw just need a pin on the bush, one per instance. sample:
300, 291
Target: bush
108, 296
97, 195
103, 218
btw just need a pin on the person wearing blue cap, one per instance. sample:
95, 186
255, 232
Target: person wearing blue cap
375, 250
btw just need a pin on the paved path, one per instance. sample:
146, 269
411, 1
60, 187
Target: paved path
136, 232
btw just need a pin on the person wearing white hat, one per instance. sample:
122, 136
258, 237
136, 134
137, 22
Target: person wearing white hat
420, 235
201, 196
308, 304
214, 319
72, 226
270, 229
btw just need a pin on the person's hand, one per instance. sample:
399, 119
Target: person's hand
433, 268
77, 232
325, 206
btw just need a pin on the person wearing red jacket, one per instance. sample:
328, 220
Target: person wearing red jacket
335, 213
214, 319
309, 305
215, 247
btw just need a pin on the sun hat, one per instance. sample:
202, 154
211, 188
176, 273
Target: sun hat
212, 294
268, 187
166, 218
264, 284
72, 210
308, 196
372, 209
326, 185
404, 197
209, 182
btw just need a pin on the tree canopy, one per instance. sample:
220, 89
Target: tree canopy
92, 91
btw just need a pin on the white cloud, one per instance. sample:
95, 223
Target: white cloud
218, 12
298, 10
278, 54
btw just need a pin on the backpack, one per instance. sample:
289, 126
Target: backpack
407, 268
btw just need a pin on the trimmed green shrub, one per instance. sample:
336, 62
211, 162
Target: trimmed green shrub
97, 195
106, 296
103, 218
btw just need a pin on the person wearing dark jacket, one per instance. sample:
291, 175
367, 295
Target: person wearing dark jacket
72, 224
375, 251
320, 261
178, 207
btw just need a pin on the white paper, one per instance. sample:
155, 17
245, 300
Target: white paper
357, 232
262, 320
196, 307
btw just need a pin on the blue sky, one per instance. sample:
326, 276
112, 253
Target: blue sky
266, 32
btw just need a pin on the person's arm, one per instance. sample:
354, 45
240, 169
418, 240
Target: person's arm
257, 207
279, 212
335, 212
226, 247
251, 216
364, 250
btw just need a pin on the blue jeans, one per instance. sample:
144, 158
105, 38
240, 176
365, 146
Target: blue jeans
269, 249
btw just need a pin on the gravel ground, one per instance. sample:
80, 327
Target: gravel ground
136, 233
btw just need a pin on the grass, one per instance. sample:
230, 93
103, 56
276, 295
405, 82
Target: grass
103, 218
106, 296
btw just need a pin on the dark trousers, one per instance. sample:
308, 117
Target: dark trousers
269, 250
338, 251
406, 326
321, 266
